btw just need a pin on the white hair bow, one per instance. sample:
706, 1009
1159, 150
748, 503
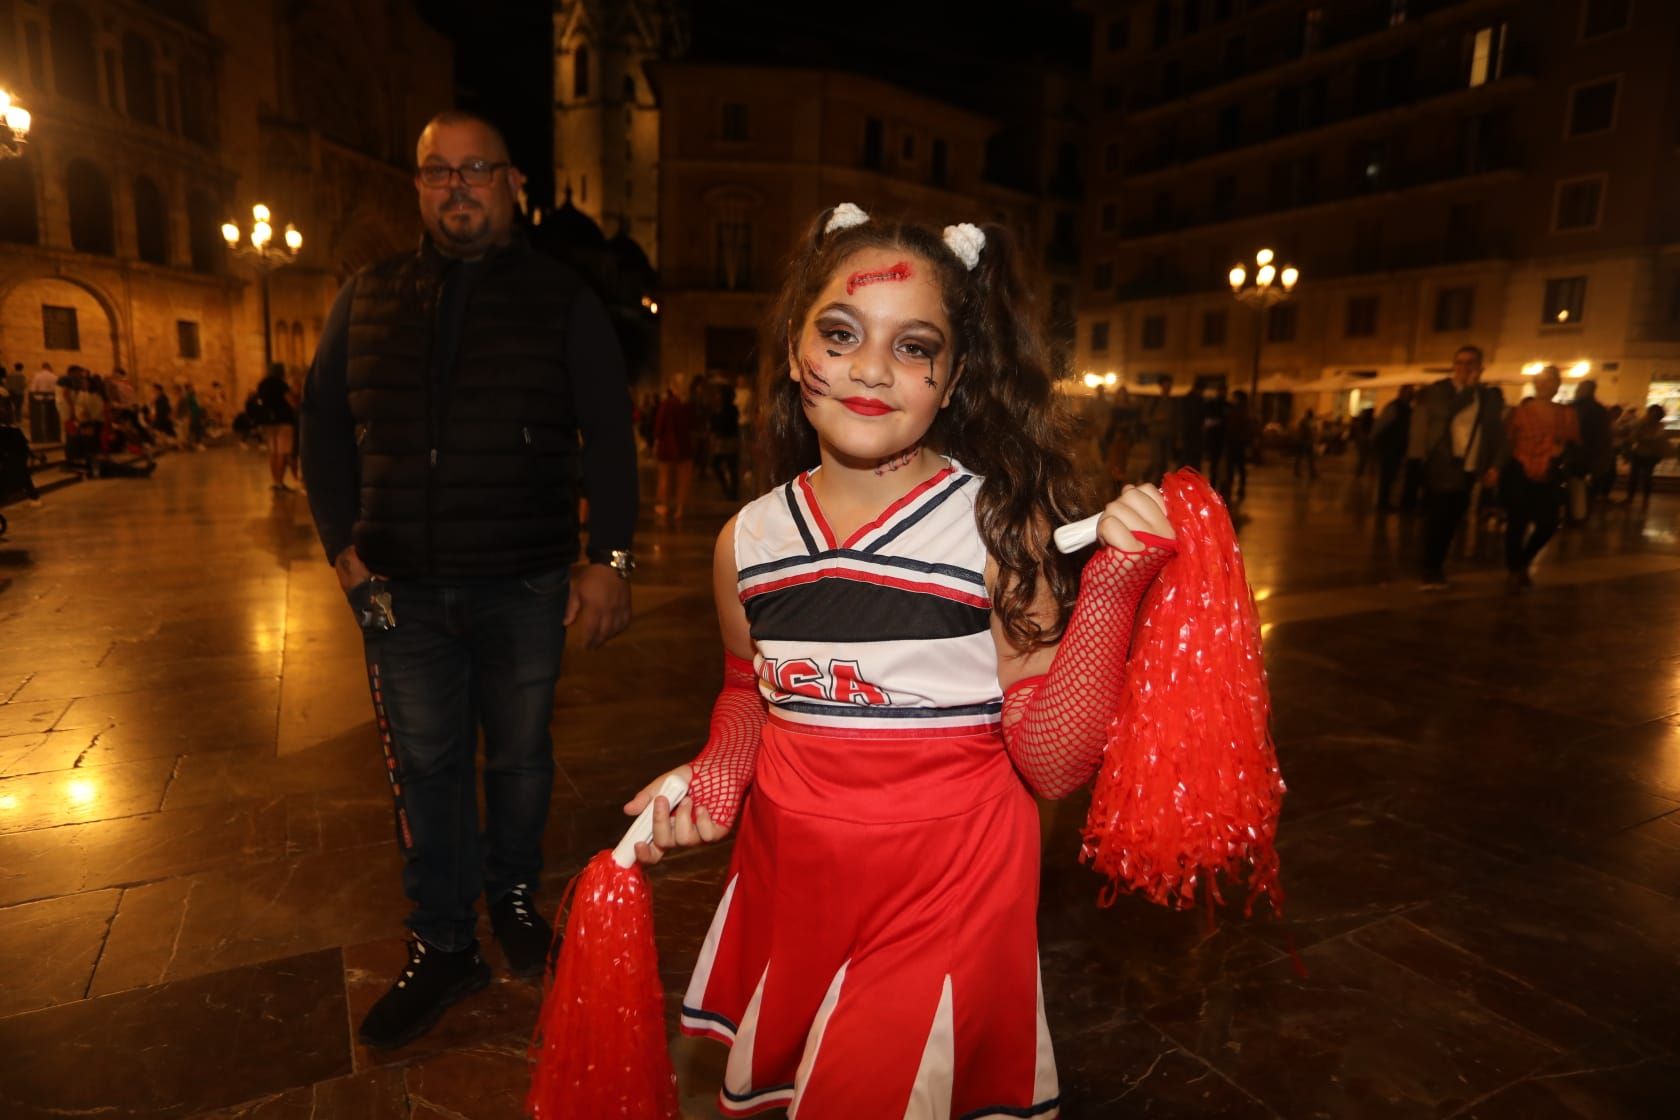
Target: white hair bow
845, 216
965, 241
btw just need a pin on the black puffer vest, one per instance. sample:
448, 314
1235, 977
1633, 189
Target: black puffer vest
478, 473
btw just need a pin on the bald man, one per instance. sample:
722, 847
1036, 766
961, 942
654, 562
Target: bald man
463, 398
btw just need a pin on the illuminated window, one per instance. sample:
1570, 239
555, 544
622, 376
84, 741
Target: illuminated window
1487, 55
1565, 302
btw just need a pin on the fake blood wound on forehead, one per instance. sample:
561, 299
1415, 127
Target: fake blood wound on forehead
899, 271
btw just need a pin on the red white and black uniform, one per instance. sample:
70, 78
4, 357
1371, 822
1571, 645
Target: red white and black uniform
875, 953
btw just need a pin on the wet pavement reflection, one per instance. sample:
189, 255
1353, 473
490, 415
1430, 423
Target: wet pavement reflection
199, 889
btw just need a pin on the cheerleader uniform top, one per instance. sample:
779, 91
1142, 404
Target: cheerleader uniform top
875, 951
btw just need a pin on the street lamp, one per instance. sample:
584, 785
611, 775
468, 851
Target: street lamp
1269, 286
14, 126
257, 246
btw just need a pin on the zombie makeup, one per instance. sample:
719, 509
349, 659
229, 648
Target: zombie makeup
899, 271
813, 384
900, 461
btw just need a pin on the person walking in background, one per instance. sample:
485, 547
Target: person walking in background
193, 421
1239, 440
1647, 447
1214, 409
1164, 434
1306, 445
17, 385
1118, 438
724, 446
46, 406
1458, 435
1360, 433
1544, 438
1388, 441
161, 414
673, 448
277, 415
1598, 449
463, 397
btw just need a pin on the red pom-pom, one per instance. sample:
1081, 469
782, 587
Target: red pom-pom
1189, 788
600, 1046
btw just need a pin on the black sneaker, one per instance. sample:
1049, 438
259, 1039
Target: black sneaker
524, 933
432, 982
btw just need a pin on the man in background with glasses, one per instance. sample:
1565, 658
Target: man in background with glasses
463, 398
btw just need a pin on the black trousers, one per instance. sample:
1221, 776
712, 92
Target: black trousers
1532, 510
1388, 472
1443, 513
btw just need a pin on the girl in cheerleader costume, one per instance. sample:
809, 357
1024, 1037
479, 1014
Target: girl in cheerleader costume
907, 660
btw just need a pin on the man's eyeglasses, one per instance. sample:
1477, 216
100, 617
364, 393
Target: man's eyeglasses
474, 173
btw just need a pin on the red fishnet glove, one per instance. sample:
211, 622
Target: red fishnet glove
724, 767
1055, 726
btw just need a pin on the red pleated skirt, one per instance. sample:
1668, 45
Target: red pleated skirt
875, 953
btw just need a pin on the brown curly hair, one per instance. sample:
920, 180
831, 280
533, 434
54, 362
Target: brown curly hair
1003, 422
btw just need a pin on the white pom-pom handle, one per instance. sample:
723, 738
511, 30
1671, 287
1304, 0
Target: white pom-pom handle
1077, 535
674, 789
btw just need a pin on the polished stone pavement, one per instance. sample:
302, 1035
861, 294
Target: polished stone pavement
199, 889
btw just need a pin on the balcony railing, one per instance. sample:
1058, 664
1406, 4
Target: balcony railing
1483, 159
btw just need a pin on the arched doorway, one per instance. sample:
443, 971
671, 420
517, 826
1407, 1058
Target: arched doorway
58, 320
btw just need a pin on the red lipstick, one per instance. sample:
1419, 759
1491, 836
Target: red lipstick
866, 406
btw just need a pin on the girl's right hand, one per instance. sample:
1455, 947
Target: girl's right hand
1138, 509
689, 825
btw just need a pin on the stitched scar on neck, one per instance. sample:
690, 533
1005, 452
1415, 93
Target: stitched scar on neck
899, 271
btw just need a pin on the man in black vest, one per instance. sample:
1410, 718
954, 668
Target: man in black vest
462, 400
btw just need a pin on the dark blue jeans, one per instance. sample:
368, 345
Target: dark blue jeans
481, 653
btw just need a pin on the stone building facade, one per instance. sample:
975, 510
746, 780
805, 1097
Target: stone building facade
750, 155
606, 111
157, 120
1442, 172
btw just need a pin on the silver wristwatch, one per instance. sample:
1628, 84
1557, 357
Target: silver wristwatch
622, 561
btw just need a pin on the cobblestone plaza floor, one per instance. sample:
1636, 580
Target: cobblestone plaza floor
199, 888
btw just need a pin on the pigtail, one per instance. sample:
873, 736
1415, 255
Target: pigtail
1006, 423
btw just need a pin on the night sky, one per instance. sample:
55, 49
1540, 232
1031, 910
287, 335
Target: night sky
504, 57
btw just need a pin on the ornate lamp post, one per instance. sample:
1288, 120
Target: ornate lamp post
14, 126
257, 246
1269, 286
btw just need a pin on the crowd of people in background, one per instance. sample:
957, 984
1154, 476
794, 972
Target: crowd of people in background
1434, 449
699, 425
108, 426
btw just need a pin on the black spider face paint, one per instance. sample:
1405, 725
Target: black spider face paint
931, 380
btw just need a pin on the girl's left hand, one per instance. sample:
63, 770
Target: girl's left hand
1138, 509
683, 827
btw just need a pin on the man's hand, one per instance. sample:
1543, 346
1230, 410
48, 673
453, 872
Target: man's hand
1490, 479
351, 571
599, 603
